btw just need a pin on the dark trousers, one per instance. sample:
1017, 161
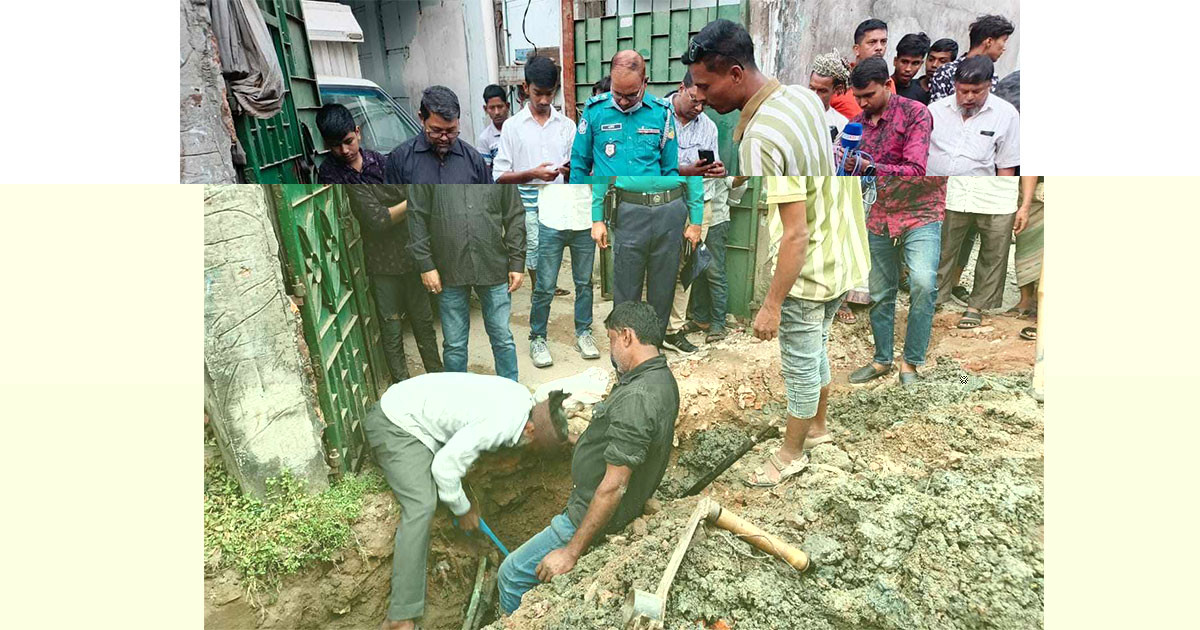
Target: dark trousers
646, 245
991, 267
710, 293
404, 294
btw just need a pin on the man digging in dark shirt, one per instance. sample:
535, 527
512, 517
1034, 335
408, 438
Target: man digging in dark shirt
618, 461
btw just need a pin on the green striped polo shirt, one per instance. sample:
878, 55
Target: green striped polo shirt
837, 257
782, 131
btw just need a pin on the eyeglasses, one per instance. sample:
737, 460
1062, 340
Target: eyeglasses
449, 135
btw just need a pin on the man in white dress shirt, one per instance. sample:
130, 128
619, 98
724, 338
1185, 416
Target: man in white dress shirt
974, 133
424, 434
495, 105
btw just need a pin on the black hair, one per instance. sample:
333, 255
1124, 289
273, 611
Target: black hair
946, 44
602, 86
542, 72
868, 70
913, 45
439, 100
1009, 89
494, 91
729, 41
866, 27
975, 70
638, 317
687, 79
994, 26
334, 121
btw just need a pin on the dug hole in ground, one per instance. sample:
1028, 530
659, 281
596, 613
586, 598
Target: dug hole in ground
925, 512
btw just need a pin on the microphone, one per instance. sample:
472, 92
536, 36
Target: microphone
851, 138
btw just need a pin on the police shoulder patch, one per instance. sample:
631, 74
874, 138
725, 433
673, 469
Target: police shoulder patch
658, 100
597, 98
583, 125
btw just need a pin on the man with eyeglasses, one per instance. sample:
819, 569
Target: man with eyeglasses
782, 128
437, 156
626, 131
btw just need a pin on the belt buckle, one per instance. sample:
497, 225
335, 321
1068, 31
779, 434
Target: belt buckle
657, 198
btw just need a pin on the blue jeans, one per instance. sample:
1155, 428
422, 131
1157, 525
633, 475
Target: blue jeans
551, 243
803, 348
531, 239
518, 572
710, 294
455, 306
921, 248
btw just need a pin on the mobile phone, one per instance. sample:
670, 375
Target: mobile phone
707, 157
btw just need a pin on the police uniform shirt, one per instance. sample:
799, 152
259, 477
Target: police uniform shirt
610, 142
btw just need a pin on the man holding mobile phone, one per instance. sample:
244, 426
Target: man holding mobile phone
696, 133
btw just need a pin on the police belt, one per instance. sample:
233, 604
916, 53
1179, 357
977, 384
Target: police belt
650, 199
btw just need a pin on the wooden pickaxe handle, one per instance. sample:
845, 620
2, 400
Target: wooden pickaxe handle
754, 535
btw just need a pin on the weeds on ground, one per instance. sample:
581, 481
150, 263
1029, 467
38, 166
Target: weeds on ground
266, 541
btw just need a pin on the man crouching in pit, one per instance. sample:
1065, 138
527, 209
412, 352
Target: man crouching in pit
618, 461
425, 433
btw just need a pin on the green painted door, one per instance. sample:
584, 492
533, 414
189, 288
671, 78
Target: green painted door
326, 270
741, 248
280, 149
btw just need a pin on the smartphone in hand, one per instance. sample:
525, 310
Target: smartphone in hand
707, 157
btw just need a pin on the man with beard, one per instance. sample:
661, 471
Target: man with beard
437, 156
974, 133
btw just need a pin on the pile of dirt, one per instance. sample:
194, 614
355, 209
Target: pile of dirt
926, 512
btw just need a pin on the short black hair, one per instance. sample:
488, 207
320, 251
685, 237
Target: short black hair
1009, 89
866, 27
602, 86
945, 44
995, 26
542, 72
687, 79
975, 70
868, 70
638, 317
725, 44
913, 45
439, 100
494, 91
334, 121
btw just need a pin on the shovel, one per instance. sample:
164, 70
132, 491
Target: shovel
645, 611
483, 527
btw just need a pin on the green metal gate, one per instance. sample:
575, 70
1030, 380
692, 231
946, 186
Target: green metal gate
661, 37
326, 270
280, 149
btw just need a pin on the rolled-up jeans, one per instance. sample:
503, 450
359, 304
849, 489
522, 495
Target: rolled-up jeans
518, 572
455, 310
921, 248
803, 347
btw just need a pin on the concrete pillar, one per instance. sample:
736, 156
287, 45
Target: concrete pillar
256, 392
205, 125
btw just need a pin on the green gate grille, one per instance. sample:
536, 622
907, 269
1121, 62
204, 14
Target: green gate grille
326, 270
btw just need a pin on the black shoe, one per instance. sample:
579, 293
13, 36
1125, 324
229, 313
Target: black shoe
867, 373
679, 343
960, 294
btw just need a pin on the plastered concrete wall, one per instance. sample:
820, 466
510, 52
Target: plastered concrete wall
255, 391
789, 33
204, 133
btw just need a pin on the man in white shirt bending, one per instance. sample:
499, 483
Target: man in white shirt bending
425, 433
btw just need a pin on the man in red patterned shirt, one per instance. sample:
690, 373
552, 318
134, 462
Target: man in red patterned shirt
906, 220
896, 130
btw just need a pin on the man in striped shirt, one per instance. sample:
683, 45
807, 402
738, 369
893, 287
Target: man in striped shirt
782, 128
819, 252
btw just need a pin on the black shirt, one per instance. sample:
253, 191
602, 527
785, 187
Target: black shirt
472, 235
385, 244
913, 90
334, 171
633, 427
415, 162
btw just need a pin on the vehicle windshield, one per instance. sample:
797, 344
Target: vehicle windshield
383, 128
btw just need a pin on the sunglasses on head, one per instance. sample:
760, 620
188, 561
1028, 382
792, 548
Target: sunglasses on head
696, 51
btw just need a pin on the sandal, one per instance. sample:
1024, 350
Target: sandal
560, 292
846, 316
759, 478
1018, 312
868, 373
809, 443
1029, 332
970, 320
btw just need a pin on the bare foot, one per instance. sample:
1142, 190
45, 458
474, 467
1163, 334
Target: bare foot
407, 624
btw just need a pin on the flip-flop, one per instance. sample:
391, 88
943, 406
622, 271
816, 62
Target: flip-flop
1029, 332
970, 320
846, 316
809, 443
759, 478
1017, 312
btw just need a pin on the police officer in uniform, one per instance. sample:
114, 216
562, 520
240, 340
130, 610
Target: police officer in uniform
626, 131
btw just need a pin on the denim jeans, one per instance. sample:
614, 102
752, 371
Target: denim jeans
518, 572
551, 243
404, 294
803, 348
455, 306
531, 239
921, 248
710, 293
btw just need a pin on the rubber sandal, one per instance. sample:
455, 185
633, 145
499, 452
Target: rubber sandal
970, 320
1017, 312
846, 316
809, 443
760, 480
1029, 332
908, 378
867, 373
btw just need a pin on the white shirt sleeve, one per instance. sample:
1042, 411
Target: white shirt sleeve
453, 460
1009, 153
503, 162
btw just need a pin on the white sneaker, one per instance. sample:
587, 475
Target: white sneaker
586, 345
540, 353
